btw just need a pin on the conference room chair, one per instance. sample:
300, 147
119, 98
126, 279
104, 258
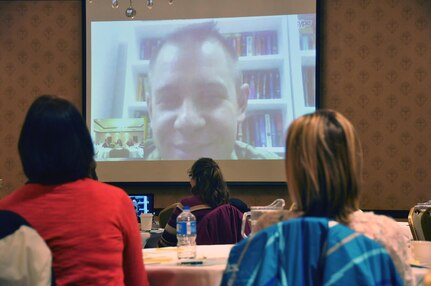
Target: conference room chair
309, 251
239, 204
25, 258
165, 214
419, 220
220, 226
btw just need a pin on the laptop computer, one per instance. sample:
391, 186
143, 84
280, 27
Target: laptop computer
143, 203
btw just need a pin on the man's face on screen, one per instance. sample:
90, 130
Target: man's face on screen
194, 107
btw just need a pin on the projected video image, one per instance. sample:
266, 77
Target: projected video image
143, 204
223, 88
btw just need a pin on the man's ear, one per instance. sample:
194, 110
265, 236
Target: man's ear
242, 101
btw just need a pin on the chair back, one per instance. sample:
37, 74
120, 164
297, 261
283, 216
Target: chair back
25, 257
309, 251
420, 221
220, 226
165, 214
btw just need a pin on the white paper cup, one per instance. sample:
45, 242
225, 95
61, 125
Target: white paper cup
421, 251
146, 221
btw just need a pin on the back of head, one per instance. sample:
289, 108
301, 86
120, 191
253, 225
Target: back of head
323, 165
210, 185
55, 145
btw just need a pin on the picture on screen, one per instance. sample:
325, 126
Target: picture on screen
225, 88
143, 204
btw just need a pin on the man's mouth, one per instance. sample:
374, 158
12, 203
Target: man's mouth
191, 147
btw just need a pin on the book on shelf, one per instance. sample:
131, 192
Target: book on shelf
249, 45
263, 84
253, 43
279, 129
260, 130
263, 129
309, 85
274, 137
268, 130
277, 83
259, 90
307, 31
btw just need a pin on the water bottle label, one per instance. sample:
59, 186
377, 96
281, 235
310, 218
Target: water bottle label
191, 227
186, 227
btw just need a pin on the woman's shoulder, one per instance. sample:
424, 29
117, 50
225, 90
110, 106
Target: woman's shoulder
190, 201
100, 189
88, 182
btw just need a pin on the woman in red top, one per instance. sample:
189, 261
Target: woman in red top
90, 227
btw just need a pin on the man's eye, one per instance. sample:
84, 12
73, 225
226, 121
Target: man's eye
169, 102
211, 99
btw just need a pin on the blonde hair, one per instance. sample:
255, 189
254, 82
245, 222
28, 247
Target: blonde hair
323, 165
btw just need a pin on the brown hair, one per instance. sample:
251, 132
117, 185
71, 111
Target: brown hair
323, 165
210, 184
55, 146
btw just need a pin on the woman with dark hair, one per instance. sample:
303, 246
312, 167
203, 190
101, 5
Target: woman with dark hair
90, 227
324, 171
209, 191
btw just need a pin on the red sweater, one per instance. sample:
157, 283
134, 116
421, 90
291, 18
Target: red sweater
90, 227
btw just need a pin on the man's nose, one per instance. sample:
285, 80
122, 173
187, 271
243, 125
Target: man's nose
189, 117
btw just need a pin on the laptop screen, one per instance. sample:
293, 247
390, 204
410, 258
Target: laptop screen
143, 203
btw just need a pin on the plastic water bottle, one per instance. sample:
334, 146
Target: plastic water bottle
186, 234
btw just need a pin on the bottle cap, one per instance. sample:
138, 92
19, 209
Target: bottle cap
186, 208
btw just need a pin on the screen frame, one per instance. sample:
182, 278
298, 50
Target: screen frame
175, 169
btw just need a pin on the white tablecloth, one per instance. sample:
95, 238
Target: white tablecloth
162, 266
103, 152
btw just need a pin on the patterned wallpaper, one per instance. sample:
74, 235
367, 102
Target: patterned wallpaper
40, 53
375, 68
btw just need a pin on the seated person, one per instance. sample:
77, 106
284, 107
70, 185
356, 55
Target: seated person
89, 226
25, 257
130, 142
209, 190
106, 143
323, 167
119, 143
